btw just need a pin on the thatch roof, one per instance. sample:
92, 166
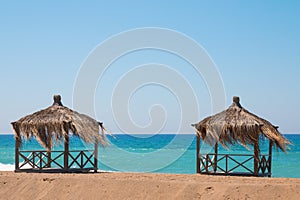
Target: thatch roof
236, 124
50, 125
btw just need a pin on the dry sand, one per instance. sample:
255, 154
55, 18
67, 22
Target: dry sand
143, 186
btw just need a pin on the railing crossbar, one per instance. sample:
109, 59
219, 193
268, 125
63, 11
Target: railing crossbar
41, 160
75, 160
264, 164
88, 159
54, 160
221, 169
240, 164
27, 160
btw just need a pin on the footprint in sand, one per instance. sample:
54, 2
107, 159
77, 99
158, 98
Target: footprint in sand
48, 179
209, 189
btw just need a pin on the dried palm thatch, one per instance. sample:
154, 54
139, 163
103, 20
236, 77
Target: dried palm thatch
52, 124
236, 124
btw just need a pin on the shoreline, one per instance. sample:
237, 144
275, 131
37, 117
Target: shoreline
166, 133
121, 185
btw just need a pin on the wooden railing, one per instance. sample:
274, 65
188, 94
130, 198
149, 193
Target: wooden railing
264, 165
235, 164
55, 160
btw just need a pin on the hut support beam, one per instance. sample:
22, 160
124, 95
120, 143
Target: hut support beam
198, 155
17, 167
216, 157
270, 158
96, 156
256, 156
49, 154
49, 158
66, 152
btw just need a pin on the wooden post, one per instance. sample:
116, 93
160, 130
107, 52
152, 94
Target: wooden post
226, 156
49, 152
256, 156
206, 163
17, 167
96, 156
216, 157
49, 158
81, 159
33, 160
66, 152
40, 157
270, 158
198, 155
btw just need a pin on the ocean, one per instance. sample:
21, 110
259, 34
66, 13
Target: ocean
161, 153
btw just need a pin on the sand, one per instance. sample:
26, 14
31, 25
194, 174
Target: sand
143, 186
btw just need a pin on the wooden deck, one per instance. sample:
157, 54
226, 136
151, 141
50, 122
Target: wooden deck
57, 170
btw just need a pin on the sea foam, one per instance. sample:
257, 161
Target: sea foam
7, 167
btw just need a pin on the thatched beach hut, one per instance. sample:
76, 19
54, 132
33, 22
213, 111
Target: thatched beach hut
51, 126
237, 125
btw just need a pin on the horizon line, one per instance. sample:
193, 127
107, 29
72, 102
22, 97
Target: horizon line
163, 133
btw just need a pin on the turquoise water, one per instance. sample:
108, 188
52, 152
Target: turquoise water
163, 153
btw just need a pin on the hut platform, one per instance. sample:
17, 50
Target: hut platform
58, 170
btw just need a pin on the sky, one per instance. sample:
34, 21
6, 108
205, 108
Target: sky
255, 46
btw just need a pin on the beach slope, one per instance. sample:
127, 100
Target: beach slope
143, 186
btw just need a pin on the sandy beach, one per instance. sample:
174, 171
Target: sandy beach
143, 186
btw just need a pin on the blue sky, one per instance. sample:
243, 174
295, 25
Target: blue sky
255, 45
